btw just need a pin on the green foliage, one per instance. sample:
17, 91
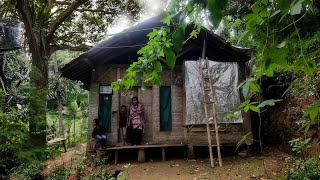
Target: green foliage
8, 160
84, 169
311, 116
167, 41
305, 170
28, 171
247, 105
298, 145
242, 141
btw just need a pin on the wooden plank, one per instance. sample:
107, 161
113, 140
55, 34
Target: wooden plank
56, 140
146, 146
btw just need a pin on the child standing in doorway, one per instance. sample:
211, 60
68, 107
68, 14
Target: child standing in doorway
136, 118
123, 124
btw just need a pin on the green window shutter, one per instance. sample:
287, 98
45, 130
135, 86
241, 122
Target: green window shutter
165, 109
105, 105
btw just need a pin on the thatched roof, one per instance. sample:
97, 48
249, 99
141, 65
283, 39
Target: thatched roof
122, 49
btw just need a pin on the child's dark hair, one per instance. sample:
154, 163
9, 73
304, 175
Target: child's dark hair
123, 106
96, 120
134, 98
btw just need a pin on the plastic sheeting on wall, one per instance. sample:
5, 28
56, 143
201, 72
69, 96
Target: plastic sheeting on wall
227, 98
10, 37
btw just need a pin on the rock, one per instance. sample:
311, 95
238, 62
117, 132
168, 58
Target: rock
177, 165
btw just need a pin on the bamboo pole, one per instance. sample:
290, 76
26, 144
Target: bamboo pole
205, 105
214, 115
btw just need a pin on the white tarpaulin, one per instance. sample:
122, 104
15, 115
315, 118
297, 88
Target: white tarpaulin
227, 98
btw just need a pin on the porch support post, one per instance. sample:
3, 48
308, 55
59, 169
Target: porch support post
141, 155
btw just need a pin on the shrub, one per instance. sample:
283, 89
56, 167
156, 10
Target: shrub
28, 172
8, 160
305, 170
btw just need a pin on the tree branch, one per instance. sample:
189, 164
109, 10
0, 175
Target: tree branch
22, 7
64, 15
87, 9
81, 47
97, 10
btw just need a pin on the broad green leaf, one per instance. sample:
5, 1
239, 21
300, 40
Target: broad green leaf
246, 86
158, 66
167, 19
254, 86
269, 72
308, 70
168, 44
178, 37
170, 57
161, 54
153, 33
230, 116
264, 13
313, 114
256, 8
296, 8
246, 109
269, 102
254, 108
242, 105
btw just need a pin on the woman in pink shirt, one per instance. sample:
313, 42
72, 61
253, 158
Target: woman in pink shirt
136, 118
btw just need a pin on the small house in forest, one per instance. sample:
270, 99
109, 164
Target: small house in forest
174, 110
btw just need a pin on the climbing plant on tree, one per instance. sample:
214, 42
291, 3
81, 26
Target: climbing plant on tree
51, 25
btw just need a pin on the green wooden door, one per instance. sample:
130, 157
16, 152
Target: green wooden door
105, 105
165, 109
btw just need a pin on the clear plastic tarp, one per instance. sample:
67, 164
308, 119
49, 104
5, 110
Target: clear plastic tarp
227, 98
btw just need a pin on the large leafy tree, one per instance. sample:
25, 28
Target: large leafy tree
50, 25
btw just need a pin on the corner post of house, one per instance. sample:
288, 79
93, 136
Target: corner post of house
243, 72
93, 107
156, 112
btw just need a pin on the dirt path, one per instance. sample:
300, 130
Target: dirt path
267, 166
72, 153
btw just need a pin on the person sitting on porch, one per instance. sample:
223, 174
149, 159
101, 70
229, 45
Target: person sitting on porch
123, 124
98, 134
137, 121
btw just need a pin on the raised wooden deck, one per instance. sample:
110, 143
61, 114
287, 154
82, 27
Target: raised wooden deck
141, 148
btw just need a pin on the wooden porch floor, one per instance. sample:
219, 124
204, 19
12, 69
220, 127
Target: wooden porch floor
141, 150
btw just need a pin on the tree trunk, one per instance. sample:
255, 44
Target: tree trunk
38, 91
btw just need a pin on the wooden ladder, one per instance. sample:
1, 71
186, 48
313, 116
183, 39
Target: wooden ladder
208, 99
